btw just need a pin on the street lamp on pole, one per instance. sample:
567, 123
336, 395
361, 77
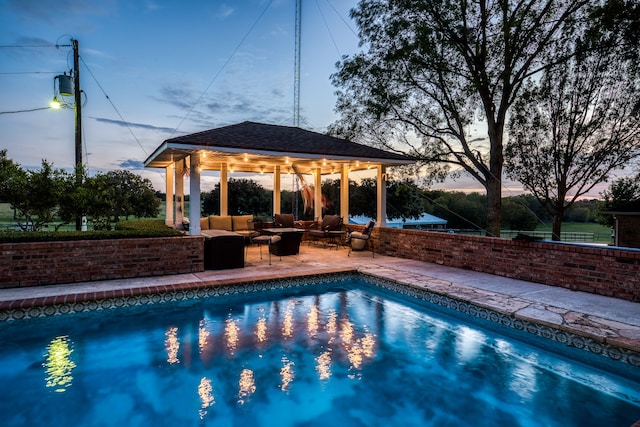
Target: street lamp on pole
64, 89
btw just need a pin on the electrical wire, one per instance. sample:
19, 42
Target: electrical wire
114, 107
25, 111
27, 72
326, 25
215, 77
342, 18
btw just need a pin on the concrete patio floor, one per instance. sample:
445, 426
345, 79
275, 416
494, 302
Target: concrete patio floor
604, 319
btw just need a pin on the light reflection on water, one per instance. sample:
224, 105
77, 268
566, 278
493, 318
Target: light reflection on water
299, 359
58, 364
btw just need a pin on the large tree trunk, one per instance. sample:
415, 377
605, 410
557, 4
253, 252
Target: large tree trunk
494, 207
494, 176
556, 227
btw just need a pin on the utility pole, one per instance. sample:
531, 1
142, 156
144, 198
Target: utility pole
78, 122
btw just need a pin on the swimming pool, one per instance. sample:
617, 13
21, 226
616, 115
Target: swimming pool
343, 352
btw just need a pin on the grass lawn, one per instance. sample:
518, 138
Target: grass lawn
601, 233
6, 214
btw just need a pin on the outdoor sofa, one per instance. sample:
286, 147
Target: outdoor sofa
225, 240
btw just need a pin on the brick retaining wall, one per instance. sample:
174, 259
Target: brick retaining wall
48, 263
602, 270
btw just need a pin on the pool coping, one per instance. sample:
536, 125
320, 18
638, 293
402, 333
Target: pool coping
614, 340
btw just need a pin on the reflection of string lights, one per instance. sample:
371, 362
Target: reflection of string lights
247, 385
346, 332
58, 364
339, 339
368, 343
286, 373
203, 335
261, 330
205, 391
172, 345
361, 349
313, 321
231, 334
332, 323
323, 366
287, 323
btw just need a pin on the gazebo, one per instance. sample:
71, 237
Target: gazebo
265, 148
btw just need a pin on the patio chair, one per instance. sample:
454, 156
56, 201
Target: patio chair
359, 239
268, 240
329, 230
283, 221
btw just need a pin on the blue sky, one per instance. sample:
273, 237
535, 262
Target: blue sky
166, 68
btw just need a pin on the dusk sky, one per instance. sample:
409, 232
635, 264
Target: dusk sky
166, 68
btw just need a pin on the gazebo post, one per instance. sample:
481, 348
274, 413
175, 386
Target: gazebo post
344, 194
382, 196
317, 197
224, 189
168, 213
276, 189
179, 192
194, 195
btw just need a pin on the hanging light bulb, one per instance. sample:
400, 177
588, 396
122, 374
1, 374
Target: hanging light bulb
55, 104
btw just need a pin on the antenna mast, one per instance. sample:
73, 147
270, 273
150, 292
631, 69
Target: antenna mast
296, 66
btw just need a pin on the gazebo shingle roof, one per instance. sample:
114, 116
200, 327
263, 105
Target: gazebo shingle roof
251, 147
266, 137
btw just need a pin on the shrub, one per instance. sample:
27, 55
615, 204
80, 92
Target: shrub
124, 230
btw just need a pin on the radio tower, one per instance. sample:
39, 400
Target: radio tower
296, 66
296, 93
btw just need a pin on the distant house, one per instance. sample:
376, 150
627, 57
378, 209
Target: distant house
425, 222
627, 226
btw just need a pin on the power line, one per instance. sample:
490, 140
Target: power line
324, 20
25, 111
114, 107
28, 72
27, 45
223, 66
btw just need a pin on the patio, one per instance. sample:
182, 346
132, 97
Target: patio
604, 320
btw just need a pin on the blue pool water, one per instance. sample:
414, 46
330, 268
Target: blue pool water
350, 356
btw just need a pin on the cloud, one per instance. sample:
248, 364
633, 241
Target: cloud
73, 9
225, 11
131, 164
132, 125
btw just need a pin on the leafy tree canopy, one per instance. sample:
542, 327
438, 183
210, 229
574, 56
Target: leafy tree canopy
431, 72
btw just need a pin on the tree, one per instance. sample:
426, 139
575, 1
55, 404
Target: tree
245, 197
515, 216
109, 196
621, 192
575, 124
34, 195
363, 198
404, 199
467, 211
433, 69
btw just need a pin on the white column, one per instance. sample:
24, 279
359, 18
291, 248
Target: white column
276, 190
382, 197
344, 194
194, 195
317, 197
168, 213
179, 192
224, 189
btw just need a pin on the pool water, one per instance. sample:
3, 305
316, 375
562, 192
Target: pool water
349, 356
